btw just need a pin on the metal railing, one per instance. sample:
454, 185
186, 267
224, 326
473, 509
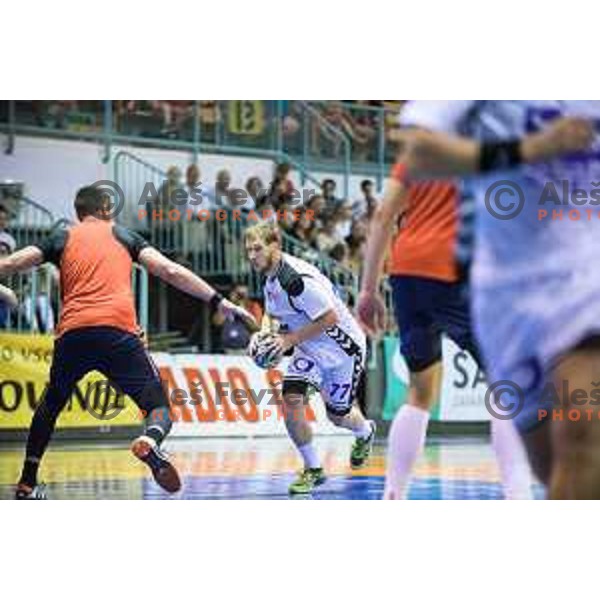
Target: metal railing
325, 139
30, 221
212, 246
323, 136
40, 301
39, 290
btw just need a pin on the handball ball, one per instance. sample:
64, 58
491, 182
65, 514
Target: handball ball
262, 349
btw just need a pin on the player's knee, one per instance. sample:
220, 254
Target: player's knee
420, 401
425, 387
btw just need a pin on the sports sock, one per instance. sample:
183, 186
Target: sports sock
158, 424
309, 456
406, 441
362, 430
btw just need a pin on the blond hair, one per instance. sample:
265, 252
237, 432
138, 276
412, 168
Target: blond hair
266, 232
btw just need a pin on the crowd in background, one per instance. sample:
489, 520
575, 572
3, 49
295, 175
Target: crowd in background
322, 225
38, 305
359, 121
323, 222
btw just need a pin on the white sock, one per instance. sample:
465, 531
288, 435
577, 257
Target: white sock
405, 443
363, 430
309, 456
512, 460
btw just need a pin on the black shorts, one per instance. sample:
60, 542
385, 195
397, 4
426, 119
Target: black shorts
120, 356
426, 308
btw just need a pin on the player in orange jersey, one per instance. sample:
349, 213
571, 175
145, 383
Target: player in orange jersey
98, 329
429, 301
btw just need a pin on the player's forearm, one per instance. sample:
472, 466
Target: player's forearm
329, 319
186, 281
380, 235
176, 275
5, 267
432, 155
21, 260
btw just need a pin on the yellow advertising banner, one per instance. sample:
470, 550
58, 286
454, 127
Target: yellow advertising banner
24, 372
246, 117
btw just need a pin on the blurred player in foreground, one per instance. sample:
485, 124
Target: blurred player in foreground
534, 299
98, 329
328, 350
429, 300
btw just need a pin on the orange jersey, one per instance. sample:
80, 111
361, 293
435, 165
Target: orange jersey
425, 243
95, 259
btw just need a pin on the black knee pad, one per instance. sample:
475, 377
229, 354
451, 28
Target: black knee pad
338, 412
295, 386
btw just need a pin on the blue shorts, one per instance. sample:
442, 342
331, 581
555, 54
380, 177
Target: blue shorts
425, 309
117, 354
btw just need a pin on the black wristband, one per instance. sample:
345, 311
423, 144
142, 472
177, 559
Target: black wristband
215, 301
496, 156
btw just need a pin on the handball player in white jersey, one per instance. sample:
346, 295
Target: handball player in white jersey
326, 344
535, 289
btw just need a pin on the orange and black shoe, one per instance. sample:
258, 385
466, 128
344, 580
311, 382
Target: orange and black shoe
26, 492
146, 449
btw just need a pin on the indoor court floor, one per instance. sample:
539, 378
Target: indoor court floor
451, 468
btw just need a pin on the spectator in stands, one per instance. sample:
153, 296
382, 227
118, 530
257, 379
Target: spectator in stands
235, 334
192, 176
339, 252
316, 204
157, 211
361, 135
6, 238
291, 124
7, 246
38, 311
58, 110
193, 187
366, 205
255, 192
217, 196
263, 204
356, 243
304, 230
282, 188
342, 216
210, 117
167, 189
223, 188
366, 123
328, 236
173, 113
328, 187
